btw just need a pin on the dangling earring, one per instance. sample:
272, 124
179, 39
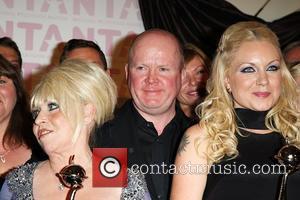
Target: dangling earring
228, 89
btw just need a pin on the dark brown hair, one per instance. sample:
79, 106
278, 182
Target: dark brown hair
9, 43
19, 130
81, 43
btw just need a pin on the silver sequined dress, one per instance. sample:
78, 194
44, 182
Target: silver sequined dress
20, 181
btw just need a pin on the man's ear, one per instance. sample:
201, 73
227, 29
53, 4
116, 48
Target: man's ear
89, 111
126, 72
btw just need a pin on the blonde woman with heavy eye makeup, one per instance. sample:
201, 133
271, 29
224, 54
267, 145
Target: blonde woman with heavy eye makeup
67, 105
246, 118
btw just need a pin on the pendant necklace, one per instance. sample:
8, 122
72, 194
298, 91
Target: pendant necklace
61, 187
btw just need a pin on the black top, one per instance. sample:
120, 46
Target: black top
130, 130
251, 119
255, 173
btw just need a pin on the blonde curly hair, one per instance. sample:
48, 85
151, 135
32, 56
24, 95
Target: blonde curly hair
217, 112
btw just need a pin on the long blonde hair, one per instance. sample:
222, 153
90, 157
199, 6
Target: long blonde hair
217, 111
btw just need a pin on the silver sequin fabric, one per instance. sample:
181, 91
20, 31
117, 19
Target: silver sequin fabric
20, 182
136, 187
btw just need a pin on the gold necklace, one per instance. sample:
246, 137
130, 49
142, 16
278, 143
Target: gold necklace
2, 156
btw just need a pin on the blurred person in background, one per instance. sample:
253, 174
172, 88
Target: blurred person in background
18, 143
295, 71
196, 70
10, 51
86, 50
292, 53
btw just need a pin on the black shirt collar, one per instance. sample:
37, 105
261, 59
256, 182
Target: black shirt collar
178, 120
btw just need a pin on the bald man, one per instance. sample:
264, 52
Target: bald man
150, 125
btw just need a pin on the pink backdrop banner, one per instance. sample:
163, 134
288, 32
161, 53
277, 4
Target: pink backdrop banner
39, 26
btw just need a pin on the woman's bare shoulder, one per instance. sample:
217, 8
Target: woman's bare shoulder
193, 137
196, 132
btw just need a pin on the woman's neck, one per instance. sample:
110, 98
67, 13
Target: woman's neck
82, 158
251, 120
187, 110
257, 131
3, 128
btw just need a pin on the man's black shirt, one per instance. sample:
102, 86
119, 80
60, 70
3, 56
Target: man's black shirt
145, 147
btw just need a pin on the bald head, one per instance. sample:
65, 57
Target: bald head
157, 38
